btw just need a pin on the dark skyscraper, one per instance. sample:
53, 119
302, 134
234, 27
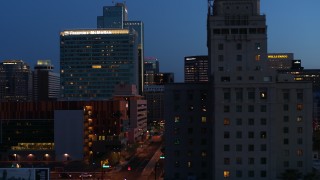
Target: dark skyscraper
15, 81
46, 83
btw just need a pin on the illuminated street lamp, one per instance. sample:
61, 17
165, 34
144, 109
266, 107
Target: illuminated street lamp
66, 156
15, 157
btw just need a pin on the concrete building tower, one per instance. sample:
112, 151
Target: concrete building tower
262, 120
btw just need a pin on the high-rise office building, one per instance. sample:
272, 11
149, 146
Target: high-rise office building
196, 69
93, 61
46, 83
15, 81
260, 120
116, 17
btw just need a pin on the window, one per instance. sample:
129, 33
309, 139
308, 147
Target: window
285, 141
263, 121
177, 164
263, 173
286, 163
299, 130
238, 174
263, 108
239, 147
238, 108
299, 163
177, 119
251, 94
226, 161
239, 94
203, 141
239, 160
239, 46
251, 121
299, 141
299, 94
226, 121
285, 107
226, 135
176, 131
286, 95
220, 46
250, 108
203, 119
226, 147
263, 95
239, 121
285, 130
285, 118
263, 147
226, 108
204, 153
250, 147
251, 161
258, 46
263, 134
239, 68
226, 94
220, 68
177, 141
258, 57
239, 134
251, 173
189, 164
250, 134
220, 58
299, 118
226, 174
263, 160
239, 57
299, 107
225, 79
190, 130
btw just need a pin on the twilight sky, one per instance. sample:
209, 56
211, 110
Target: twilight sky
29, 30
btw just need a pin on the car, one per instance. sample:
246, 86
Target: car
65, 176
85, 175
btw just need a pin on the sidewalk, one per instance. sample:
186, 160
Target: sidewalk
147, 171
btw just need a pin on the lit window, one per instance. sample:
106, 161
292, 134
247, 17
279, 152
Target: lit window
299, 118
299, 152
263, 95
189, 164
258, 57
299, 107
226, 174
203, 119
177, 119
226, 121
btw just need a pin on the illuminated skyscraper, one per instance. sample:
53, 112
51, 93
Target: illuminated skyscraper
196, 69
116, 17
93, 61
15, 81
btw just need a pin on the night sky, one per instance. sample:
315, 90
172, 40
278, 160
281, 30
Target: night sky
173, 28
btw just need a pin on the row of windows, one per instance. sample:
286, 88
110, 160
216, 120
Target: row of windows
239, 147
177, 131
239, 31
250, 174
177, 119
252, 121
251, 134
190, 153
238, 46
191, 141
250, 108
251, 161
250, 78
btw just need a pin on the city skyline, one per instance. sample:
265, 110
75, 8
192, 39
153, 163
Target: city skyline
173, 30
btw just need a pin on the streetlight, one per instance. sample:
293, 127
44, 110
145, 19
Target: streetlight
66, 156
15, 157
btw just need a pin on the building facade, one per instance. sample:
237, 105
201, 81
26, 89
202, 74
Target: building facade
15, 81
259, 121
60, 130
46, 83
116, 17
196, 69
93, 61
136, 126
262, 119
